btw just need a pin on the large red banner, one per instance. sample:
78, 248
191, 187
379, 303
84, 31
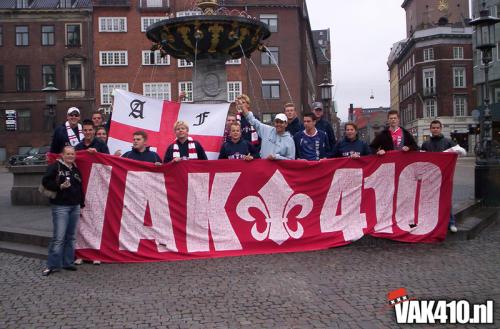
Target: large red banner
136, 212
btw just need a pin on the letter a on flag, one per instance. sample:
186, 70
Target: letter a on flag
132, 112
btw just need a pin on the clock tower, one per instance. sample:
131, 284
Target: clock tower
424, 14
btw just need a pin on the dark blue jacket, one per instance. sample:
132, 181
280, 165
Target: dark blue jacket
347, 147
295, 126
184, 151
302, 141
146, 156
437, 144
60, 139
324, 125
96, 143
230, 150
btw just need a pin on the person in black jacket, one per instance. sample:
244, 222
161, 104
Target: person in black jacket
70, 133
439, 143
64, 178
294, 125
90, 142
322, 124
237, 147
393, 137
184, 147
351, 146
140, 151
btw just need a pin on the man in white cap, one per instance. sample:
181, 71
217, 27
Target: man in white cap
277, 143
322, 124
70, 133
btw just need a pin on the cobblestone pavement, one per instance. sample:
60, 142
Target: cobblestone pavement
336, 288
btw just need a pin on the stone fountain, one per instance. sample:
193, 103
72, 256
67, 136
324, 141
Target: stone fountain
208, 39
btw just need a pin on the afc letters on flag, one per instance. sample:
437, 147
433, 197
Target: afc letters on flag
132, 112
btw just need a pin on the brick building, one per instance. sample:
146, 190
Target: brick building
42, 41
123, 58
435, 69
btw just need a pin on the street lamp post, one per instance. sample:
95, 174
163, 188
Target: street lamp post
487, 171
51, 101
326, 95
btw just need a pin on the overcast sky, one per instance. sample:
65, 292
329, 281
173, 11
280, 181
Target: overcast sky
362, 33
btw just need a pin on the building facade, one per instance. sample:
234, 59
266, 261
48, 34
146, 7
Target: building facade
435, 71
494, 71
370, 121
42, 42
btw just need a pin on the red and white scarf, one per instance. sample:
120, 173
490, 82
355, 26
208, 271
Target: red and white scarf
253, 133
193, 155
73, 140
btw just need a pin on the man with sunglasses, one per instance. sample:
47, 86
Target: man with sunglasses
70, 133
322, 124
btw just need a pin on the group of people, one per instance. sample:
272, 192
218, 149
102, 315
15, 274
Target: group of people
245, 138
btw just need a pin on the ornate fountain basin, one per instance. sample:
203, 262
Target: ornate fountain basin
208, 36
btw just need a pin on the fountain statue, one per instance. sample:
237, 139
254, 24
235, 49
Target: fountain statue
209, 38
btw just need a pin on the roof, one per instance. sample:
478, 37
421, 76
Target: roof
46, 4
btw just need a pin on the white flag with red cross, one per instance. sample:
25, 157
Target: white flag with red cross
133, 112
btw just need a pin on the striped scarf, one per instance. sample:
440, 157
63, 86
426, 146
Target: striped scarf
73, 140
253, 133
193, 155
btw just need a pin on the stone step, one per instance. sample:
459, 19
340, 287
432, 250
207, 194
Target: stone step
23, 249
472, 224
23, 236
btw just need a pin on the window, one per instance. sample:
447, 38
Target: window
430, 108
1, 35
112, 24
157, 90
1, 78
459, 77
271, 21
22, 36
147, 21
149, 59
458, 52
75, 77
184, 63
234, 61
496, 98
23, 120
23, 78
153, 3
113, 58
188, 13
233, 90
66, 3
187, 88
265, 57
107, 89
429, 82
48, 35
48, 74
497, 49
460, 106
271, 89
73, 35
428, 54
22, 3
268, 118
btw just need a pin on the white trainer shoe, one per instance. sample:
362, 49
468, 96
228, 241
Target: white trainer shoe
453, 228
78, 261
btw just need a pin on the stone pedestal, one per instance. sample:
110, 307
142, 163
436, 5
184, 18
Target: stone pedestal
210, 80
488, 184
25, 187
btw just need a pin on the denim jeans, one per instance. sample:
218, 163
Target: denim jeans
62, 245
452, 219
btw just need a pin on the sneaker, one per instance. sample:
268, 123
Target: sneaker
96, 262
47, 272
79, 261
453, 229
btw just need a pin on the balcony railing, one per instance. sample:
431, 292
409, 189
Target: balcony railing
111, 3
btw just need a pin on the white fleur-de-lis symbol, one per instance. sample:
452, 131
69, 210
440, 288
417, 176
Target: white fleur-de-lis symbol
275, 202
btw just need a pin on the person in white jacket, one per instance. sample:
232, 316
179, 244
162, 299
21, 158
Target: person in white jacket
277, 143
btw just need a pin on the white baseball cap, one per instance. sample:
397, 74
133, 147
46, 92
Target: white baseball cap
281, 117
73, 109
